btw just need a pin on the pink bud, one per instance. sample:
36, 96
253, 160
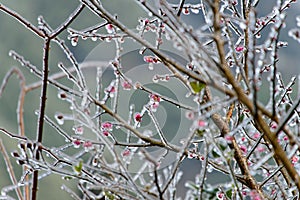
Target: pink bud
295, 159
105, 133
239, 48
138, 117
107, 126
76, 143
243, 148
79, 130
126, 152
256, 135
201, 123
155, 97
126, 85
186, 11
109, 28
148, 59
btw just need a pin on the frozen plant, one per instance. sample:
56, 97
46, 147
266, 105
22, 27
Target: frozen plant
191, 94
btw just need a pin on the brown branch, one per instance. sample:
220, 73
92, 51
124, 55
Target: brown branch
147, 139
240, 159
260, 123
40, 122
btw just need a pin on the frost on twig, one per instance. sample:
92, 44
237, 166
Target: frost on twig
171, 94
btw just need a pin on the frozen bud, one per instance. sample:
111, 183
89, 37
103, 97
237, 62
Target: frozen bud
62, 95
229, 138
88, 145
243, 149
146, 21
186, 11
76, 143
273, 125
154, 98
30, 146
109, 28
137, 85
294, 159
239, 48
148, 59
201, 123
59, 118
220, 195
189, 115
138, 117
126, 85
105, 133
159, 41
20, 162
256, 135
191, 155
74, 41
21, 145
79, 130
107, 126
111, 89
126, 152
154, 106
15, 154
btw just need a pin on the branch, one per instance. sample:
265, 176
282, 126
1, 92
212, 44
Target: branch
22, 21
10, 170
40, 123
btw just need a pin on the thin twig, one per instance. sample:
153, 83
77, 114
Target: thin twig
10, 170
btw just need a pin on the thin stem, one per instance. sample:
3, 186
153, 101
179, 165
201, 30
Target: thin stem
10, 170
181, 4
69, 20
22, 21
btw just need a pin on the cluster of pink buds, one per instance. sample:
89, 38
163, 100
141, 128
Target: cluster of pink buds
154, 101
164, 78
106, 128
86, 144
151, 59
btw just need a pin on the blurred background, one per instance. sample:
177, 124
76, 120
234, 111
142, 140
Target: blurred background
14, 36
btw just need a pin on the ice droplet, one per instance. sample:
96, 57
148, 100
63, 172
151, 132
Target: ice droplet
94, 38
142, 50
74, 41
188, 94
155, 80
209, 168
195, 10
298, 20
59, 118
258, 35
243, 25
151, 67
10, 53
